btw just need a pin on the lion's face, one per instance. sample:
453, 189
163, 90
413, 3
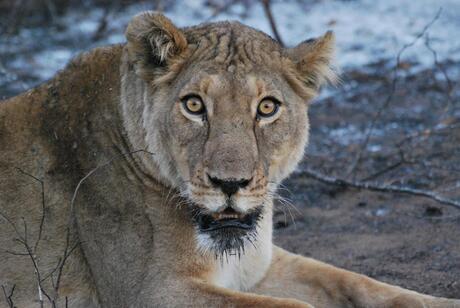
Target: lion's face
233, 137
226, 115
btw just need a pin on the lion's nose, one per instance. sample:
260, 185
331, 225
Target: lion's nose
229, 186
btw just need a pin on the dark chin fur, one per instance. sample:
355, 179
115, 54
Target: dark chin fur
228, 240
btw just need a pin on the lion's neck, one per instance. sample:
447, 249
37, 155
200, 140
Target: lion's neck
243, 272
134, 105
176, 236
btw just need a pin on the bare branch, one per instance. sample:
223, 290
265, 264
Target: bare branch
42, 220
268, 12
9, 297
221, 9
327, 179
11, 223
389, 98
100, 167
60, 267
67, 249
15, 253
427, 132
383, 171
450, 86
104, 21
23, 239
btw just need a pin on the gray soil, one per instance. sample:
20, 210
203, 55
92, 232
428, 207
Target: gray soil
401, 239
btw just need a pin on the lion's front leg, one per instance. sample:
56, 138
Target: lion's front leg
192, 292
324, 285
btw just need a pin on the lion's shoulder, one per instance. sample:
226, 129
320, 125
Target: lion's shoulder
54, 115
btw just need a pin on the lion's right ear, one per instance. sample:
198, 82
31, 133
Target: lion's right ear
153, 42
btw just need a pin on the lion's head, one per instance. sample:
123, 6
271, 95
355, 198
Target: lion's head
224, 108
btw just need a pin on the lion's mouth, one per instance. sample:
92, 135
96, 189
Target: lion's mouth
228, 231
228, 218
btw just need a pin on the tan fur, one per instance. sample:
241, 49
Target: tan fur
136, 244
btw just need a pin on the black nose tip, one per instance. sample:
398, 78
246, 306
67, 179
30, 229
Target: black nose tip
229, 186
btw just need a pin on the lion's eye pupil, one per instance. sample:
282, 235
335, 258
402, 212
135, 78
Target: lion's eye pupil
194, 105
267, 108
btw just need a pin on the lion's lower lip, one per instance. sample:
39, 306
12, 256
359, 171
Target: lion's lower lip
218, 221
208, 226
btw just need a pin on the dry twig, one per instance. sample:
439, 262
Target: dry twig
223, 8
331, 180
9, 296
389, 98
104, 21
268, 12
449, 83
42, 220
68, 249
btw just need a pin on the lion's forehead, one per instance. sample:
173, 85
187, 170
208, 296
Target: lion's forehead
233, 47
218, 84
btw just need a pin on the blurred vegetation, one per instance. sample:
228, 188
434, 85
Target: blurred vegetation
17, 13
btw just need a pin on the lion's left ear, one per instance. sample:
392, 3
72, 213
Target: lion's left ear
153, 42
313, 60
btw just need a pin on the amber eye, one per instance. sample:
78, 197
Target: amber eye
193, 104
267, 107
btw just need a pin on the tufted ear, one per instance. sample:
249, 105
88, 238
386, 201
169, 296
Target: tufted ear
153, 42
313, 60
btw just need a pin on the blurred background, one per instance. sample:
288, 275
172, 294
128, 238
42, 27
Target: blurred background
378, 191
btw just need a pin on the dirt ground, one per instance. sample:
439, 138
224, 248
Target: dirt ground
400, 239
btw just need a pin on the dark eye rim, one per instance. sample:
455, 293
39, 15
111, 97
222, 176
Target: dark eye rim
268, 115
184, 100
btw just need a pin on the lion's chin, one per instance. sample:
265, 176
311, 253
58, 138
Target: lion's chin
228, 232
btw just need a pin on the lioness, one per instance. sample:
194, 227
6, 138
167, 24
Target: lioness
159, 159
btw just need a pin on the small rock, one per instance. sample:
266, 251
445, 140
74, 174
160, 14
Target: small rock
432, 211
381, 212
280, 225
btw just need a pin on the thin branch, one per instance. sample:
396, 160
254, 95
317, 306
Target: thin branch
68, 252
425, 132
389, 98
23, 239
77, 188
11, 223
377, 187
104, 21
42, 220
383, 171
8, 297
450, 86
15, 253
266, 4
222, 9
60, 267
